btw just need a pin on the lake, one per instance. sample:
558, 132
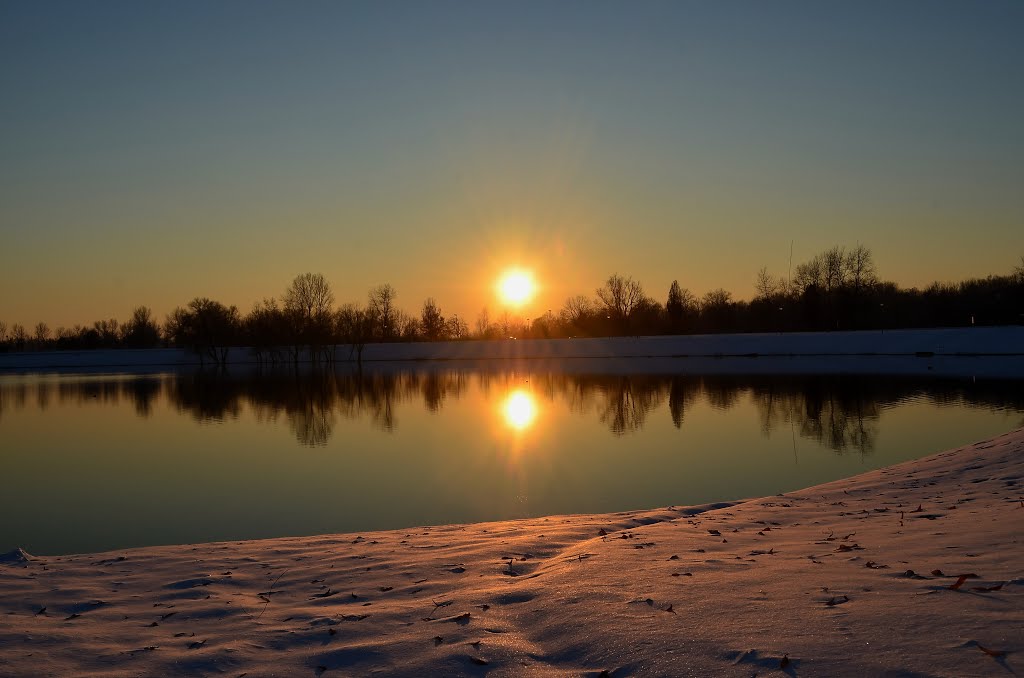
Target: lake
95, 462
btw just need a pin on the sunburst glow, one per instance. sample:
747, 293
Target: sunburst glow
519, 409
516, 287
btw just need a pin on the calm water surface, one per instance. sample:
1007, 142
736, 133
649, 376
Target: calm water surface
96, 462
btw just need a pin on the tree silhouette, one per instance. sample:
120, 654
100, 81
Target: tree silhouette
108, 332
432, 323
41, 335
834, 270
456, 328
483, 324
382, 308
19, 337
767, 286
308, 303
267, 329
716, 309
141, 331
355, 327
620, 297
407, 327
575, 312
835, 289
860, 269
680, 304
309, 296
207, 327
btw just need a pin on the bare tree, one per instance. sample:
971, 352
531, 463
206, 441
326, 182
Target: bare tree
716, 299
431, 321
3, 332
309, 297
575, 310
859, 267
407, 327
456, 327
355, 327
208, 327
176, 326
768, 286
1018, 270
308, 302
141, 331
620, 297
834, 268
717, 310
266, 330
483, 324
42, 334
809, 274
108, 331
19, 337
382, 307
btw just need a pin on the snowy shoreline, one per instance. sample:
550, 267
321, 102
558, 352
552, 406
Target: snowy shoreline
1005, 342
854, 577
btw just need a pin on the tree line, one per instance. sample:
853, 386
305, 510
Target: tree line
837, 289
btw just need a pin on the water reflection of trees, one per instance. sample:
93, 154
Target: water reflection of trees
311, 401
839, 415
839, 412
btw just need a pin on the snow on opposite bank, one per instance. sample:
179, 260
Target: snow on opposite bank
969, 341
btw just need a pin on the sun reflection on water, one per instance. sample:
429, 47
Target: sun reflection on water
519, 409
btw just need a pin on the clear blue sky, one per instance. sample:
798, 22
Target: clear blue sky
154, 151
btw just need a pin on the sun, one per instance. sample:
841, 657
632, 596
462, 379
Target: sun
516, 287
519, 409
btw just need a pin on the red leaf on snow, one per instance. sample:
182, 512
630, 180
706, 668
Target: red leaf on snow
960, 581
991, 653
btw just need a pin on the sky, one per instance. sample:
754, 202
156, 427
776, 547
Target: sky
152, 152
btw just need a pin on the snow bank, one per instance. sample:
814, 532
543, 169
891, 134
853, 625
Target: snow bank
975, 341
910, 570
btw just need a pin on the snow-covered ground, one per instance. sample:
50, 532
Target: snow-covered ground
913, 570
973, 341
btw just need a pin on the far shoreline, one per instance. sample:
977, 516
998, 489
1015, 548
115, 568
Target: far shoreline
998, 351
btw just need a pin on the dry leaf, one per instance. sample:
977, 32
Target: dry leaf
960, 581
991, 653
